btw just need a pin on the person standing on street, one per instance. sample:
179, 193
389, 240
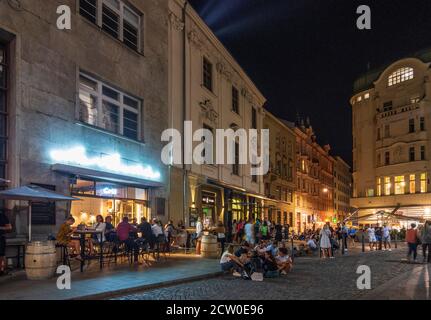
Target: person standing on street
5, 227
372, 238
426, 241
344, 235
325, 242
198, 235
387, 237
249, 232
221, 235
412, 242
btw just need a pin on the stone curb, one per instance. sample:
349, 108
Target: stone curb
131, 290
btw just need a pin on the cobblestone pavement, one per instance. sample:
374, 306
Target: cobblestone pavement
311, 278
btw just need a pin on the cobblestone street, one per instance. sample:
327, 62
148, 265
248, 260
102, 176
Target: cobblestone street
311, 278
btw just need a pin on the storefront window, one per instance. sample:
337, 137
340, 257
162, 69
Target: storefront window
379, 187
412, 183
399, 185
108, 199
237, 209
209, 208
387, 186
423, 183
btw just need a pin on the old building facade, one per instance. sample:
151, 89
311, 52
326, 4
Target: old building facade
210, 90
280, 180
314, 196
342, 189
83, 109
391, 116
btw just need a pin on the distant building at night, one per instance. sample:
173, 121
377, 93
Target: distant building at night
342, 189
314, 196
391, 139
280, 180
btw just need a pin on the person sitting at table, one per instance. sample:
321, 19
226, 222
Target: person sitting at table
243, 249
109, 229
284, 262
146, 231
98, 238
64, 237
156, 229
124, 229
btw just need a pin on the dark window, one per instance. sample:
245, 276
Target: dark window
208, 144
254, 178
208, 74
387, 159
110, 21
387, 131
88, 9
235, 100
411, 125
378, 134
130, 127
235, 166
253, 118
423, 153
160, 206
43, 213
412, 154
422, 124
387, 106
130, 35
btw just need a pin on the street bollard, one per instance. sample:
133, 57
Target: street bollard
363, 242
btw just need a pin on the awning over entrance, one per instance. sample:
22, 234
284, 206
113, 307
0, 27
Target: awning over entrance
390, 214
105, 176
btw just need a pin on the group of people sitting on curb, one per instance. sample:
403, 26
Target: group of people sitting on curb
267, 259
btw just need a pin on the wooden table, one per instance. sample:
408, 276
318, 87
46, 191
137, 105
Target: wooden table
82, 237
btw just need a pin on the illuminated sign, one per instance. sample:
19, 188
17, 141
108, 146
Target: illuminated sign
112, 163
110, 191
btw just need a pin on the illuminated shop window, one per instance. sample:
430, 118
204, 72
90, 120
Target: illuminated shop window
423, 183
401, 75
379, 187
388, 186
399, 185
412, 183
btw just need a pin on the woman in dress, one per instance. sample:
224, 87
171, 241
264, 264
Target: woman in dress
325, 242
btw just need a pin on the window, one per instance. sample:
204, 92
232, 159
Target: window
207, 74
423, 153
254, 178
412, 187
235, 166
235, 100
423, 183
401, 75
378, 134
411, 125
388, 186
422, 123
387, 131
107, 108
116, 19
412, 154
379, 160
387, 158
253, 118
399, 185
387, 106
379, 187
367, 96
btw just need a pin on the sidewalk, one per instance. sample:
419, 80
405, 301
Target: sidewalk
96, 284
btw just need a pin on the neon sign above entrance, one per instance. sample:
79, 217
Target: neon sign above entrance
112, 163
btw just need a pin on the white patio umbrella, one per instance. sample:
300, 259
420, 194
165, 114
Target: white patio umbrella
32, 193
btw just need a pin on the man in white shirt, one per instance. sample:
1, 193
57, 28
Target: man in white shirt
156, 229
387, 237
372, 237
312, 244
249, 232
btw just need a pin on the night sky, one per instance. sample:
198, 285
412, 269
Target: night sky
304, 55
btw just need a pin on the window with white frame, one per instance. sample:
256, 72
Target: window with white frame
401, 75
115, 18
105, 107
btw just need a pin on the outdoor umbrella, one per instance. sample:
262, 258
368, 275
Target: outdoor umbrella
32, 193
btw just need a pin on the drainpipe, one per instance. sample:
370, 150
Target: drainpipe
184, 111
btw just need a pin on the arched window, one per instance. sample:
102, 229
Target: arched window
401, 75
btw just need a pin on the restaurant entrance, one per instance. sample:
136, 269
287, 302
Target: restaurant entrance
108, 199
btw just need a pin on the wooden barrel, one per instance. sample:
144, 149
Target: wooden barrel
209, 247
40, 260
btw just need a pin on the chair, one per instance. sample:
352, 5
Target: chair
65, 257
